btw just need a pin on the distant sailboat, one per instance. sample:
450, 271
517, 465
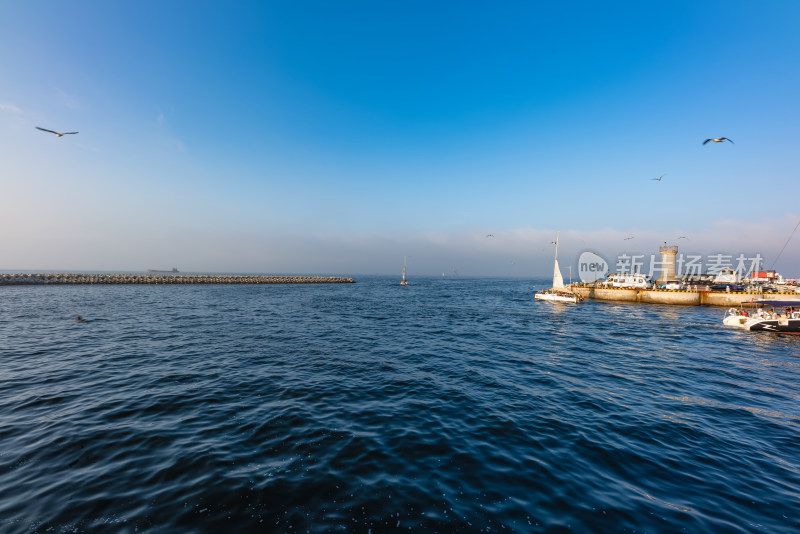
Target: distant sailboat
404, 282
558, 292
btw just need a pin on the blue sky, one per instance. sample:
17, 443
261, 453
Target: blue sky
338, 137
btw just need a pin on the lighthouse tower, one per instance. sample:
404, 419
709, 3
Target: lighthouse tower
668, 253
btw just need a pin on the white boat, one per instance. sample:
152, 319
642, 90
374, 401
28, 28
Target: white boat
404, 282
779, 316
559, 292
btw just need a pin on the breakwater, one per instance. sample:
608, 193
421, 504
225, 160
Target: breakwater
678, 297
82, 278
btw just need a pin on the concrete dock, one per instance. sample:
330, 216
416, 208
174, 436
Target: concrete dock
678, 297
698, 295
77, 278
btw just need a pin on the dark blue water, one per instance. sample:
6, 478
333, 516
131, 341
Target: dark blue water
450, 405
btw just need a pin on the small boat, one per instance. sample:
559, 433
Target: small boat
779, 316
559, 292
404, 282
173, 270
558, 296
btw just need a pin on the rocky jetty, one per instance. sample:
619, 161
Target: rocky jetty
79, 278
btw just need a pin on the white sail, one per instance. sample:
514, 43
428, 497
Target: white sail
558, 281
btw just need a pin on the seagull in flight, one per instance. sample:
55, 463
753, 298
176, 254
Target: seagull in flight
659, 178
628, 238
489, 235
52, 132
721, 139
683, 237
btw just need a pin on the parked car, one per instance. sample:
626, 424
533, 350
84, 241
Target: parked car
727, 287
672, 285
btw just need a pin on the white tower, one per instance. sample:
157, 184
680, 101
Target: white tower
668, 253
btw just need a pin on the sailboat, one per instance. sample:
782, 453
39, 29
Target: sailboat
559, 292
404, 282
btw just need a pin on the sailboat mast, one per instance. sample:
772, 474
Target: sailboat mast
557, 235
558, 281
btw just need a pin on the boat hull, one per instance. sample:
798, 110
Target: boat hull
758, 324
790, 326
554, 297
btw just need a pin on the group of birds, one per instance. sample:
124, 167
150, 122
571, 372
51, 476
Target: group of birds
78, 318
715, 140
709, 140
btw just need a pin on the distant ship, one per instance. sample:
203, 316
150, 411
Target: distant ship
174, 270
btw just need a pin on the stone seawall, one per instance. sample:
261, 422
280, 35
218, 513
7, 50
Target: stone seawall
72, 278
681, 298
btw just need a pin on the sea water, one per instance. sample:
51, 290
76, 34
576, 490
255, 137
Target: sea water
448, 405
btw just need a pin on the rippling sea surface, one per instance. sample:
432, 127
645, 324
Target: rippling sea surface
449, 405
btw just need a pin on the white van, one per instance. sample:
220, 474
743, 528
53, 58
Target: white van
631, 281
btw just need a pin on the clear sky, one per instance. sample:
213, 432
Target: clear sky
339, 137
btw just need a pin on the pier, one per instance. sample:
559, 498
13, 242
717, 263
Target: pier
677, 297
698, 294
73, 278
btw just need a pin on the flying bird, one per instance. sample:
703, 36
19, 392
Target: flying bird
659, 178
78, 318
721, 139
52, 132
683, 237
628, 238
489, 235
